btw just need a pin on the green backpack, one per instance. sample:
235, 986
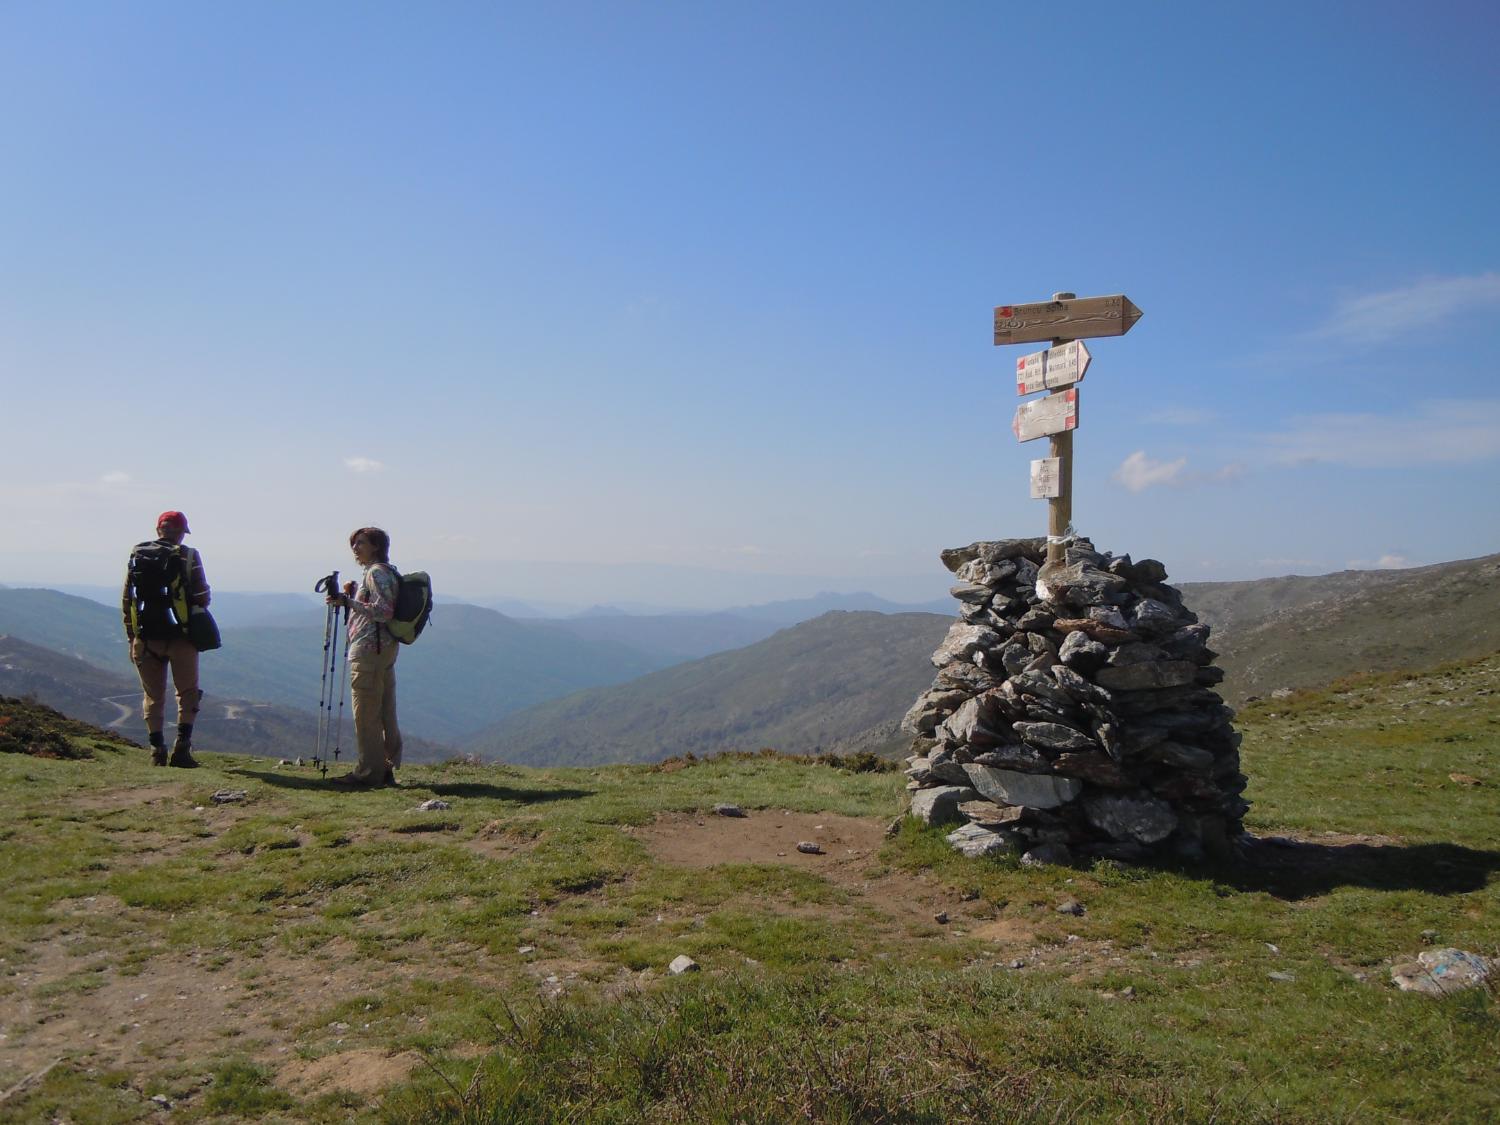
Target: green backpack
413, 605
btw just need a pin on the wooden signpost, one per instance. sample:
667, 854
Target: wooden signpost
1063, 321
1065, 317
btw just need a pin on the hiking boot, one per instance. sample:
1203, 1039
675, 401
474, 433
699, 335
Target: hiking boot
389, 780
158, 755
182, 756
348, 781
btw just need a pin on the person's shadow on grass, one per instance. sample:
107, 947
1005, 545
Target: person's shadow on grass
472, 790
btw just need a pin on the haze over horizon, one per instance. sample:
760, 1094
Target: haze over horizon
690, 305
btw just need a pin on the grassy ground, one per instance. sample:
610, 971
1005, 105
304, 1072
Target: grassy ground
307, 955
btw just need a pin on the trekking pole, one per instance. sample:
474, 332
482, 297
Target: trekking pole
330, 645
343, 676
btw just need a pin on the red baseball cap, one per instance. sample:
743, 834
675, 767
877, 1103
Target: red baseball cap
173, 517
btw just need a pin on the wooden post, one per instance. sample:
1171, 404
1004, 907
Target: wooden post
1060, 507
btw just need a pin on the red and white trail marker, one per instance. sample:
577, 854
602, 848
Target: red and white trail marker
1055, 367
1054, 414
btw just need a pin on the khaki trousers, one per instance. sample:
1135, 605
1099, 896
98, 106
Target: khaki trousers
372, 689
151, 660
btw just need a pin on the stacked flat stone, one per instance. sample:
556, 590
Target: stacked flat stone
1077, 717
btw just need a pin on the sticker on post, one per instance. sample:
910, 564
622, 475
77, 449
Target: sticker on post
1046, 478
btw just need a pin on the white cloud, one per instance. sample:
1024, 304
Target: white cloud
1384, 562
363, 464
1434, 432
1139, 472
1377, 318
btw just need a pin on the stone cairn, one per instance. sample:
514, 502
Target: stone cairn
1075, 718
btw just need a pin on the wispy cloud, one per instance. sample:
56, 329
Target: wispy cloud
1378, 318
115, 478
1433, 432
1139, 472
1384, 562
363, 464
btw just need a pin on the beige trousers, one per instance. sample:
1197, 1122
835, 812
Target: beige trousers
151, 660
372, 689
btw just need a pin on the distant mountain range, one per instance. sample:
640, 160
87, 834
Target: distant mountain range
614, 687
112, 700
830, 684
1271, 633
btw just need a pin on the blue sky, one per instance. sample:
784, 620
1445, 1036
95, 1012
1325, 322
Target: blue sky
691, 303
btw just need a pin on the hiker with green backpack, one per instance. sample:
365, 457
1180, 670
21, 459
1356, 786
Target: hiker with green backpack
379, 619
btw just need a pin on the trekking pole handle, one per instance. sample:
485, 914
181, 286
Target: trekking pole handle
328, 585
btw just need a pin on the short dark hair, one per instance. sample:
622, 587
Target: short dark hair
375, 538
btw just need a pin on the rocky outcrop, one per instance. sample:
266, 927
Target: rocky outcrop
1074, 714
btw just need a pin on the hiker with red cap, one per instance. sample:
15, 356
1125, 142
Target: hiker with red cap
165, 589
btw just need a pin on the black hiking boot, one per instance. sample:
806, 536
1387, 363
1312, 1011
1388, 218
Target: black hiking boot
158, 749
389, 780
182, 756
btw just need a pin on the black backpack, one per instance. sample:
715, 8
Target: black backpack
158, 577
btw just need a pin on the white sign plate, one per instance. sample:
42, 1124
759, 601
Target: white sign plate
1043, 416
1055, 367
1045, 484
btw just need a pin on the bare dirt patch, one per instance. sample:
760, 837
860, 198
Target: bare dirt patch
850, 861
357, 1072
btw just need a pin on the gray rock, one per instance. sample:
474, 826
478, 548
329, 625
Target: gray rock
1141, 677
229, 796
969, 726
1095, 630
963, 641
1093, 767
1152, 616
1035, 621
1130, 816
1148, 570
972, 592
1071, 906
1079, 688
729, 810
1015, 656
1013, 756
1043, 855
940, 804
974, 842
682, 964
1439, 971
1182, 756
993, 551
436, 804
1082, 653
1004, 818
808, 847
1039, 683
1136, 652
1108, 615
1009, 787
931, 708
1054, 736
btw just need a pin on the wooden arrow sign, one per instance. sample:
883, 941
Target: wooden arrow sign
1073, 318
1055, 367
1051, 415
